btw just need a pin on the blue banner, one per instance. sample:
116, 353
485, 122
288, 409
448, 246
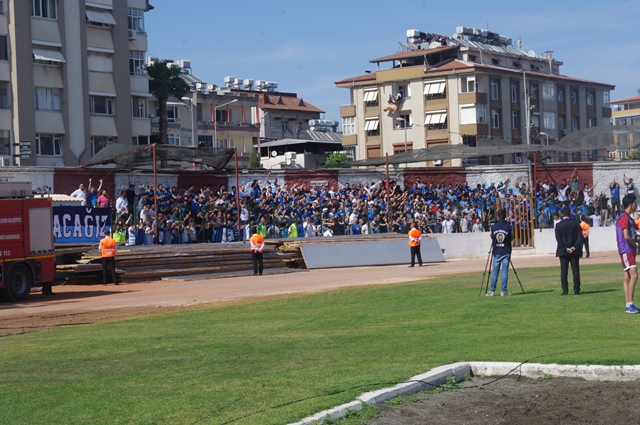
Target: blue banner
80, 225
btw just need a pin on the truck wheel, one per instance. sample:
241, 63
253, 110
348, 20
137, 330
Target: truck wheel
18, 284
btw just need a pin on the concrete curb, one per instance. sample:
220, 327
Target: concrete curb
461, 370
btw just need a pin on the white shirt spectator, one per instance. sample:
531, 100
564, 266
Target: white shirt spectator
596, 220
447, 225
81, 194
121, 204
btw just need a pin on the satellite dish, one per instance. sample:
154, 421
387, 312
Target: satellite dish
274, 154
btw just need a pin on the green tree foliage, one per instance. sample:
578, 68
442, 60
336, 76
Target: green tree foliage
165, 82
337, 160
254, 159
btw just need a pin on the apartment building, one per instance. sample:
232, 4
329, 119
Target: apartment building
438, 90
72, 79
625, 112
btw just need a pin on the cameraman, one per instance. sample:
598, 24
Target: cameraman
501, 238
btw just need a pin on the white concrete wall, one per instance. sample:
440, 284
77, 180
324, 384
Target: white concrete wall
477, 245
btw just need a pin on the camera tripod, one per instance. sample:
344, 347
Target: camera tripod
489, 258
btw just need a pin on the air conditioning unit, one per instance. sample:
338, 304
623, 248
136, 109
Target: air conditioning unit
518, 160
565, 131
133, 34
437, 163
5, 161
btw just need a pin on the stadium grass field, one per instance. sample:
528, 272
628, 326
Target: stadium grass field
276, 361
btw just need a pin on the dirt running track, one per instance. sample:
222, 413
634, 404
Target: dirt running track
96, 303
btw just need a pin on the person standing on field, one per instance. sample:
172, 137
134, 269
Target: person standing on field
257, 246
501, 238
414, 243
569, 250
627, 248
108, 249
586, 229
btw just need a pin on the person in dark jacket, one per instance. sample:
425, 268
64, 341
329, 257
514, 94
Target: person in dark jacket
569, 250
501, 238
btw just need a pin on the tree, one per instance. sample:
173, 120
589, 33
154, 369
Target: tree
165, 82
254, 159
337, 160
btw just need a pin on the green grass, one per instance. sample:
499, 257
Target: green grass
277, 361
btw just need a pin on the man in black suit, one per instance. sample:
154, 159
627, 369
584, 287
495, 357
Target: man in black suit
569, 238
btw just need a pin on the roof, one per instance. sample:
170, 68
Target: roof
414, 54
320, 137
289, 142
370, 76
627, 99
284, 101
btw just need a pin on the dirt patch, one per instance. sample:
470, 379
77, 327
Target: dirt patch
521, 401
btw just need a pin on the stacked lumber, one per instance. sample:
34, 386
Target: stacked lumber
145, 263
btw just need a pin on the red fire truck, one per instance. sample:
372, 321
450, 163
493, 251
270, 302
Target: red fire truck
27, 255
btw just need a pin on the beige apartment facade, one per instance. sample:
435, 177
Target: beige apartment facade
72, 79
457, 90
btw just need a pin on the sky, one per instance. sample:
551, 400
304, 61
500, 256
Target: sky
307, 46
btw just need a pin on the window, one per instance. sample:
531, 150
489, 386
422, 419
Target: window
562, 123
473, 114
495, 118
100, 18
44, 9
4, 96
2, 7
533, 91
515, 90
172, 113
606, 98
515, 120
371, 96
575, 123
549, 120
348, 126
590, 97
135, 20
222, 116
173, 139
495, 89
138, 107
535, 120
284, 126
100, 62
47, 57
102, 105
47, 99
561, 94
591, 122
481, 111
48, 144
5, 143
205, 141
468, 84
435, 89
404, 91
436, 120
141, 140
296, 127
574, 95
136, 63
371, 126
404, 120
4, 48
100, 142
548, 92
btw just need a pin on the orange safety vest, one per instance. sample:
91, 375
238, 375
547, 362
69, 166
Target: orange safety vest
257, 243
414, 237
108, 247
585, 229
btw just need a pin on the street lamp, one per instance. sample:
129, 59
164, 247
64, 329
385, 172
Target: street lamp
192, 105
542, 133
405, 131
215, 121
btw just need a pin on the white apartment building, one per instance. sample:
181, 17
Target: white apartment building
454, 90
72, 79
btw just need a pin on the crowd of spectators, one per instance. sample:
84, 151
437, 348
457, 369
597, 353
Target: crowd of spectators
208, 214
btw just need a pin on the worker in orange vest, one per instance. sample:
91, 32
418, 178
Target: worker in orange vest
586, 229
414, 243
257, 245
108, 249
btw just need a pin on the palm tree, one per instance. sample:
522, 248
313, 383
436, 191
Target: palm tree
164, 82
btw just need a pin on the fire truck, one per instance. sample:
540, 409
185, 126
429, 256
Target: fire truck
27, 257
